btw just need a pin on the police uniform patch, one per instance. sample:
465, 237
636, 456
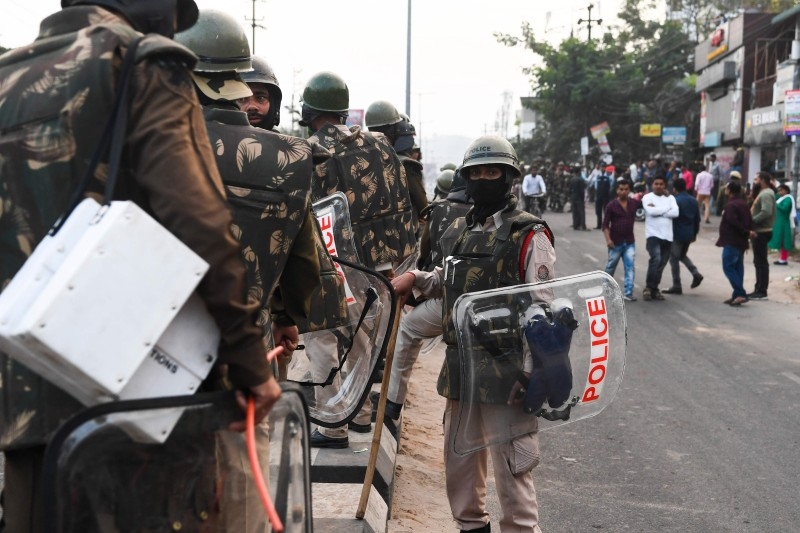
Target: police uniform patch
541, 240
543, 273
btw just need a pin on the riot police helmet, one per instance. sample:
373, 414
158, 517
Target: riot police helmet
492, 150
149, 16
326, 91
219, 42
223, 51
381, 113
444, 181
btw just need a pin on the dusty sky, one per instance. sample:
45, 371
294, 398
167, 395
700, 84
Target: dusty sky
459, 73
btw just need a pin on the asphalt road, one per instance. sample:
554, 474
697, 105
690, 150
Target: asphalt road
704, 434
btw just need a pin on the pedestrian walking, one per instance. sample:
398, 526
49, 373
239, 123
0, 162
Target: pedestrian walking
618, 223
734, 231
685, 228
704, 188
660, 208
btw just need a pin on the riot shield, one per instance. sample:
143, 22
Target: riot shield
99, 479
537, 356
338, 363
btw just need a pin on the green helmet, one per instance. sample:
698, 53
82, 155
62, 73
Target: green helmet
219, 42
492, 150
448, 166
327, 91
381, 113
445, 180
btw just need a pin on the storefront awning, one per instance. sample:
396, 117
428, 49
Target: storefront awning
789, 13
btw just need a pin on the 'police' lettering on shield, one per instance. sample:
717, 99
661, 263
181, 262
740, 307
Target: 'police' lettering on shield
598, 332
325, 220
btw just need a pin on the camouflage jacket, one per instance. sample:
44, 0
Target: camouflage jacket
440, 214
367, 170
485, 260
267, 177
416, 184
55, 96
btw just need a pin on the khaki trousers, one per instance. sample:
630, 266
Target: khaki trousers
240, 505
322, 354
513, 464
422, 322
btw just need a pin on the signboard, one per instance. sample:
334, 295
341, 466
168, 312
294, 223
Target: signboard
791, 113
355, 117
673, 135
600, 130
718, 44
584, 145
649, 130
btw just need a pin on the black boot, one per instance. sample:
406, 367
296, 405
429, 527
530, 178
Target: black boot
485, 529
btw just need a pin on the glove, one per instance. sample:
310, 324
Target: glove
551, 378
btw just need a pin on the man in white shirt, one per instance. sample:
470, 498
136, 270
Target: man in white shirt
659, 209
533, 190
704, 183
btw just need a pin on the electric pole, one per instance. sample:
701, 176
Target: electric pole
254, 23
589, 21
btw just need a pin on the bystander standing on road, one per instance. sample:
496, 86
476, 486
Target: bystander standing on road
660, 208
734, 230
602, 193
618, 222
577, 195
763, 212
785, 221
685, 228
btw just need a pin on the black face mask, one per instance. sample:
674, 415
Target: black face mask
489, 197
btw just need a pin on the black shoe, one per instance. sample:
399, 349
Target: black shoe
757, 296
784, 263
697, 280
359, 428
485, 529
393, 410
673, 290
318, 440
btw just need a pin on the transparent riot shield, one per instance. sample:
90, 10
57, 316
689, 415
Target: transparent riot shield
534, 357
338, 363
99, 479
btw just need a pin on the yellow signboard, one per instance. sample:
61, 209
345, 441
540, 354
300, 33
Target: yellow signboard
649, 130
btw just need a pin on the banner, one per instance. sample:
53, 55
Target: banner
791, 115
604, 146
649, 130
600, 130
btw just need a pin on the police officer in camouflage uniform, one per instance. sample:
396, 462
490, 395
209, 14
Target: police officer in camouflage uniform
425, 320
364, 167
267, 179
57, 93
496, 245
383, 117
263, 107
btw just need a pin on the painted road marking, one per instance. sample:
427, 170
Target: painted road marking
691, 319
793, 377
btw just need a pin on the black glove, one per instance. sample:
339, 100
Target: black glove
551, 378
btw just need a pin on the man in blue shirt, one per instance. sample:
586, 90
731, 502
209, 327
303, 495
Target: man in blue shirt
684, 232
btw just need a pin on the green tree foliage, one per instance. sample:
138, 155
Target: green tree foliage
641, 72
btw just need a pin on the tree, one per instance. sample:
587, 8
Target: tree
640, 73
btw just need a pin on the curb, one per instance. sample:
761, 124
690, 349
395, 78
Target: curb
337, 478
